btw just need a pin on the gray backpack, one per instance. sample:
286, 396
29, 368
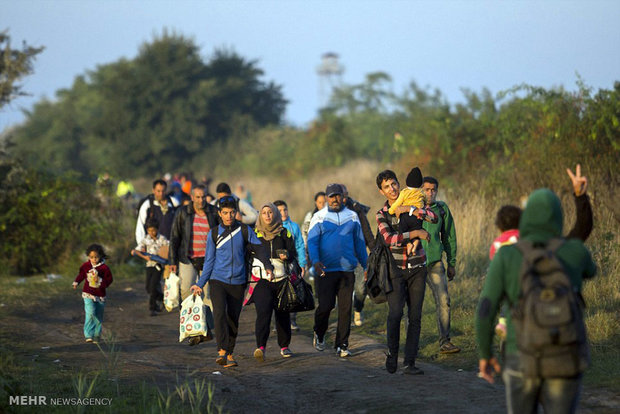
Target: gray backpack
548, 317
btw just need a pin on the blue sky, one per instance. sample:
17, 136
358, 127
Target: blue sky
447, 45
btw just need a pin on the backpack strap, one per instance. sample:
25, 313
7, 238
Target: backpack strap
244, 233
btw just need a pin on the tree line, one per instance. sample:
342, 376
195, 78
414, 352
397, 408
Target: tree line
169, 108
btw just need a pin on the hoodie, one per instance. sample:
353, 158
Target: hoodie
541, 221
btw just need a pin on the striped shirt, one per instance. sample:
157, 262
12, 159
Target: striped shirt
200, 231
397, 242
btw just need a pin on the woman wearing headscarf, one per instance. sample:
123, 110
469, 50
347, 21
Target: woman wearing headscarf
280, 245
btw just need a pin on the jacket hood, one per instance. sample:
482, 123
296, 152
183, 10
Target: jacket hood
542, 218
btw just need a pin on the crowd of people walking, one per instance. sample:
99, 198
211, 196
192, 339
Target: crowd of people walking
232, 255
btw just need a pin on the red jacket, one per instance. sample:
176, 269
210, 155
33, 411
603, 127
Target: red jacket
97, 281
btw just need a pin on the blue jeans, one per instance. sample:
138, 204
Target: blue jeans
438, 284
93, 318
359, 293
523, 394
407, 289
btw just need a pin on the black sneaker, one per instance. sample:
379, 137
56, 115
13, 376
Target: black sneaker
194, 340
412, 370
391, 362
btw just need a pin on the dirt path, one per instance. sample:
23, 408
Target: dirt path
310, 382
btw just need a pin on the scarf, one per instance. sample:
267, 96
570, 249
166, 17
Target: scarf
269, 231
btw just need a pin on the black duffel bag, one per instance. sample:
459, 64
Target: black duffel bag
294, 296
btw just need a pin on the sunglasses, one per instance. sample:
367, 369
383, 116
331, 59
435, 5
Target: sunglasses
227, 199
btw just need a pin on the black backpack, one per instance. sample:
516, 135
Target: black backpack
548, 317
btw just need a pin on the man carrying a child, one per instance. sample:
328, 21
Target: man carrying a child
409, 285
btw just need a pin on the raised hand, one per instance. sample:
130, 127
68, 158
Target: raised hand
580, 183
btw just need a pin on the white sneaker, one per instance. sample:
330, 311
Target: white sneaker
357, 319
318, 345
343, 352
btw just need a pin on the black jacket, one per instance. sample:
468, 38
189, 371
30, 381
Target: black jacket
381, 271
361, 210
583, 223
181, 235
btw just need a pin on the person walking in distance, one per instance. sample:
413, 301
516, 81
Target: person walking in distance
188, 244
442, 240
359, 295
156, 206
319, 203
335, 246
245, 212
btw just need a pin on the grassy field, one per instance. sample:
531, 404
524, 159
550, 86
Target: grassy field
24, 373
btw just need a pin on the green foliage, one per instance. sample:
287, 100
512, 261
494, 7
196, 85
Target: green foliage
43, 218
148, 115
14, 65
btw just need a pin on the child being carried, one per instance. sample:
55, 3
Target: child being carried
412, 196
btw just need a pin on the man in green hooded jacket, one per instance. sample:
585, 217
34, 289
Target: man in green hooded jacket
442, 239
541, 221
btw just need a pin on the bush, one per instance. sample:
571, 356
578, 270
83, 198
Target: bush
45, 217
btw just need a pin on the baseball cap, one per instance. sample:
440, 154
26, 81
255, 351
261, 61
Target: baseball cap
333, 189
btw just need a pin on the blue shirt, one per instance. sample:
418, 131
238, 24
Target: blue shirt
335, 239
300, 247
226, 261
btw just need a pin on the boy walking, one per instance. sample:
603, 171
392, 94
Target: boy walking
225, 270
148, 249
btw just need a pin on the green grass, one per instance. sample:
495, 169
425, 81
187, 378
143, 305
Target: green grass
24, 372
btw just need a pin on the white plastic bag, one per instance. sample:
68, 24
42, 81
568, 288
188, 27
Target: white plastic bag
171, 292
193, 319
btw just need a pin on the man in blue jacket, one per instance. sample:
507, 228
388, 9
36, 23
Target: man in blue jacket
335, 247
225, 270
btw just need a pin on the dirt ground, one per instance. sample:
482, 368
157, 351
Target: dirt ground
309, 382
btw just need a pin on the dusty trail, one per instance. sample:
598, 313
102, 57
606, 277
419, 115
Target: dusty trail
310, 382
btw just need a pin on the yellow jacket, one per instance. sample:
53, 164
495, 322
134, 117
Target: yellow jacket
408, 197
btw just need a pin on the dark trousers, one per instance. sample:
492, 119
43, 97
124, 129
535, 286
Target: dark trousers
265, 298
153, 286
408, 289
328, 287
227, 303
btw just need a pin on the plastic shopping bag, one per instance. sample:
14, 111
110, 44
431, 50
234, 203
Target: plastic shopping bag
171, 292
193, 321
